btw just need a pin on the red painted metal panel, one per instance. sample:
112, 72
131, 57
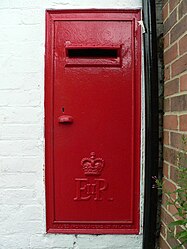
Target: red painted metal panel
92, 121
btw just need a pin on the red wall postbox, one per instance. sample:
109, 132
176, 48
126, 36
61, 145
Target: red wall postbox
92, 121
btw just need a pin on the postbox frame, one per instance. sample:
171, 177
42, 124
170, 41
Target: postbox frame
59, 15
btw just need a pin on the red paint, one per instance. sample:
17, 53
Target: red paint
65, 119
92, 121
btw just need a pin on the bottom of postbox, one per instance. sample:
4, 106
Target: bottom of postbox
92, 228
93, 231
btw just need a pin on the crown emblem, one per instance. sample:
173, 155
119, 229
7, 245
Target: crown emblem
92, 165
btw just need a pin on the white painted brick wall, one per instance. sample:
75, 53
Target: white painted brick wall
22, 189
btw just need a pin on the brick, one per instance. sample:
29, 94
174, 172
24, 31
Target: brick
171, 87
165, 11
22, 115
166, 40
30, 212
170, 188
24, 81
166, 218
166, 170
24, 180
167, 105
164, 200
179, 29
172, 241
31, 227
176, 140
170, 155
27, 164
169, 23
172, 210
13, 241
170, 54
31, 16
5, 5
164, 2
11, 84
20, 98
183, 160
21, 131
24, 4
183, 83
183, 45
6, 210
112, 242
31, 48
23, 51
163, 244
166, 137
163, 230
182, 8
167, 72
170, 122
173, 173
179, 103
179, 66
11, 197
21, 148
52, 241
183, 122
11, 17
21, 64
173, 4
21, 33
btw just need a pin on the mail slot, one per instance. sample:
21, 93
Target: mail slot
92, 121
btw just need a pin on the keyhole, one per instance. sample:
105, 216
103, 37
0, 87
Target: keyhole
63, 109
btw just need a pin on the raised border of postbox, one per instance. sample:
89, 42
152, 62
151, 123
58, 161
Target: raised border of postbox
53, 226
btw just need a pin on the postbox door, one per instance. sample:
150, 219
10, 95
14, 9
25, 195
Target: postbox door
95, 125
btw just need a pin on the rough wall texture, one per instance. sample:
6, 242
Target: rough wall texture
22, 190
175, 100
